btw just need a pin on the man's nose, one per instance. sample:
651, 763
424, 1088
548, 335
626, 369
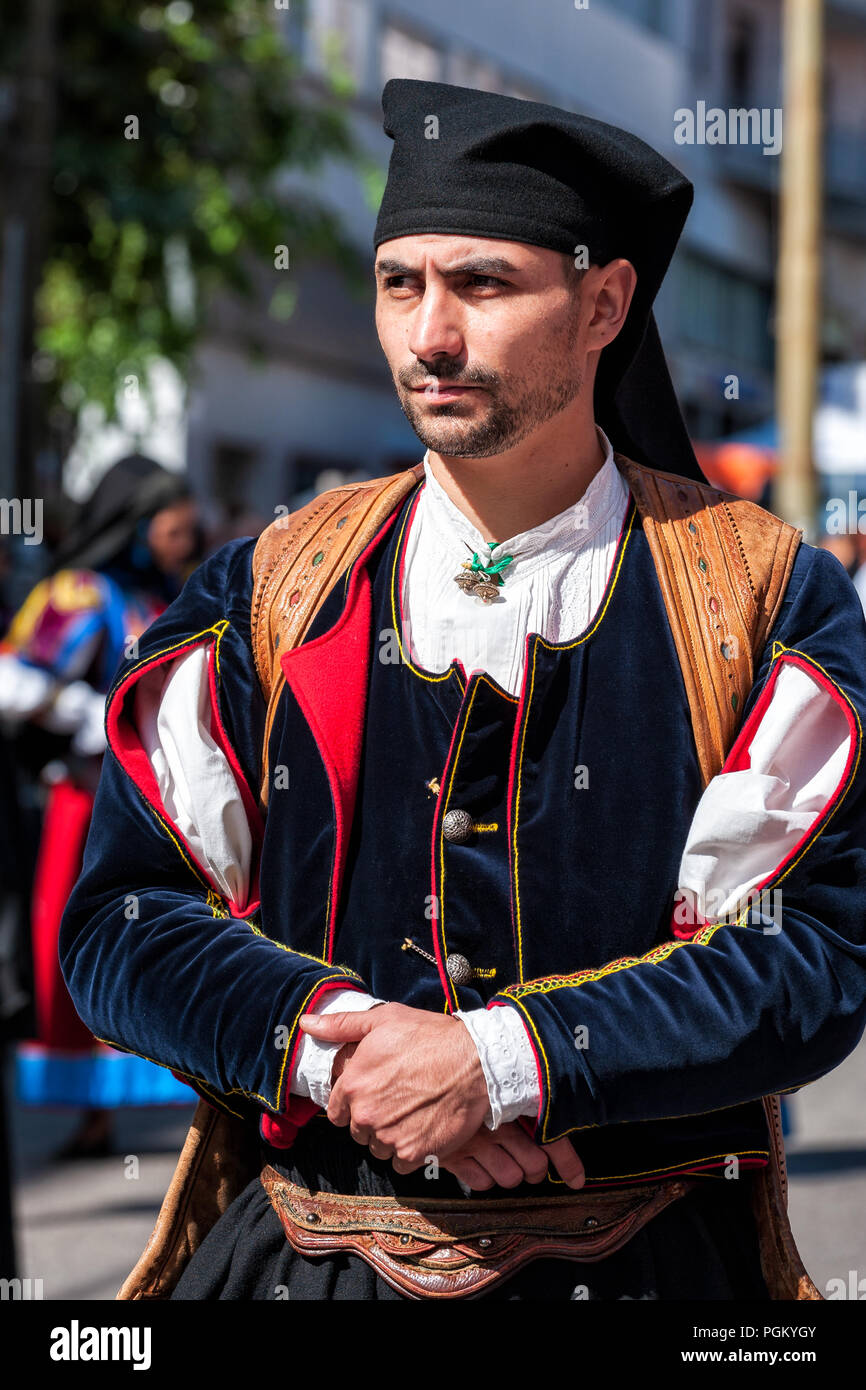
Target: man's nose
435, 326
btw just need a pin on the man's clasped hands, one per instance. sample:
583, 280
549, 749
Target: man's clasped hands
409, 1084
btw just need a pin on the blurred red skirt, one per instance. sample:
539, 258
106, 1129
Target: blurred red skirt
65, 1064
61, 853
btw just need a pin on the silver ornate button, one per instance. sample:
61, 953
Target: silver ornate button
459, 969
457, 826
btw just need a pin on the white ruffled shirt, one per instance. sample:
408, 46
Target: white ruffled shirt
745, 824
552, 586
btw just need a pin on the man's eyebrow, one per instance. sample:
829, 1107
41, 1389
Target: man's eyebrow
475, 265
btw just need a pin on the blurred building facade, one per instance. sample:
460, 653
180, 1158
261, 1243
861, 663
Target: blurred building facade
262, 436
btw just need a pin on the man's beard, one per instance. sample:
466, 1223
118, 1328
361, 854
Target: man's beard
510, 418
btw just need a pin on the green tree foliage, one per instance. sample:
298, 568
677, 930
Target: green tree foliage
171, 124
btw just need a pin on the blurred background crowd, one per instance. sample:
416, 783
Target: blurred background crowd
187, 348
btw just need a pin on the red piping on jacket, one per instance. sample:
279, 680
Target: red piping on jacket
328, 678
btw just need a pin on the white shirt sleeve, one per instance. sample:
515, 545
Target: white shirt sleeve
24, 689
749, 821
507, 1061
72, 707
312, 1072
195, 779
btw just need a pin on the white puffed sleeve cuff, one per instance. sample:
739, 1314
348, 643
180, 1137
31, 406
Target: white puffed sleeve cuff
750, 819
507, 1061
312, 1072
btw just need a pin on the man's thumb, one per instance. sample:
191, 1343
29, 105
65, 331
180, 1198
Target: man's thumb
337, 1027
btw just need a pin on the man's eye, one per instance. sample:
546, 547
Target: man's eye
485, 280
395, 282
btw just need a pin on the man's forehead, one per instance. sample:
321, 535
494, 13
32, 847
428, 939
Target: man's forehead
446, 252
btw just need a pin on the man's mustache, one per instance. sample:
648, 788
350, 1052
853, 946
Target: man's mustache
413, 377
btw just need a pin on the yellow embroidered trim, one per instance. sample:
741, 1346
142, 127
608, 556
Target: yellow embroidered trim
548, 983
488, 826
481, 829
671, 1167
497, 688
175, 841
218, 628
530, 1024
320, 960
493, 825
555, 646
217, 904
516, 994
213, 899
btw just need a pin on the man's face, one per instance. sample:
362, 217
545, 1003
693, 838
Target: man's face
483, 338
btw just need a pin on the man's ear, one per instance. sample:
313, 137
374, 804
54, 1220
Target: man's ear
611, 288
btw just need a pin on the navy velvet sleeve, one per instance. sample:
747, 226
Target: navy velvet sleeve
741, 1008
157, 962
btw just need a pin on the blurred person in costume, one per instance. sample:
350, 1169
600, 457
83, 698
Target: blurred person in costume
130, 548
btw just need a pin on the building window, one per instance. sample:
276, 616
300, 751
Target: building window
652, 14
309, 474
740, 60
722, 312
338, 39
464, 70
405, 55
232, 468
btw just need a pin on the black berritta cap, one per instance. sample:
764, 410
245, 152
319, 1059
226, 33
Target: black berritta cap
476, 163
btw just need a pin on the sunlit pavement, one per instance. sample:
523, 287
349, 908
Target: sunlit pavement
827, 1170
82, 1225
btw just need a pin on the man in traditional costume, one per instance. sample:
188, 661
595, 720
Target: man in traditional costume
488, 842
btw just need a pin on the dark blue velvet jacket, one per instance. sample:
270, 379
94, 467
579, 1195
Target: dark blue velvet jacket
654, 1047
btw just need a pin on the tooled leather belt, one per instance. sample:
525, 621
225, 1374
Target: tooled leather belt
443, 1248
